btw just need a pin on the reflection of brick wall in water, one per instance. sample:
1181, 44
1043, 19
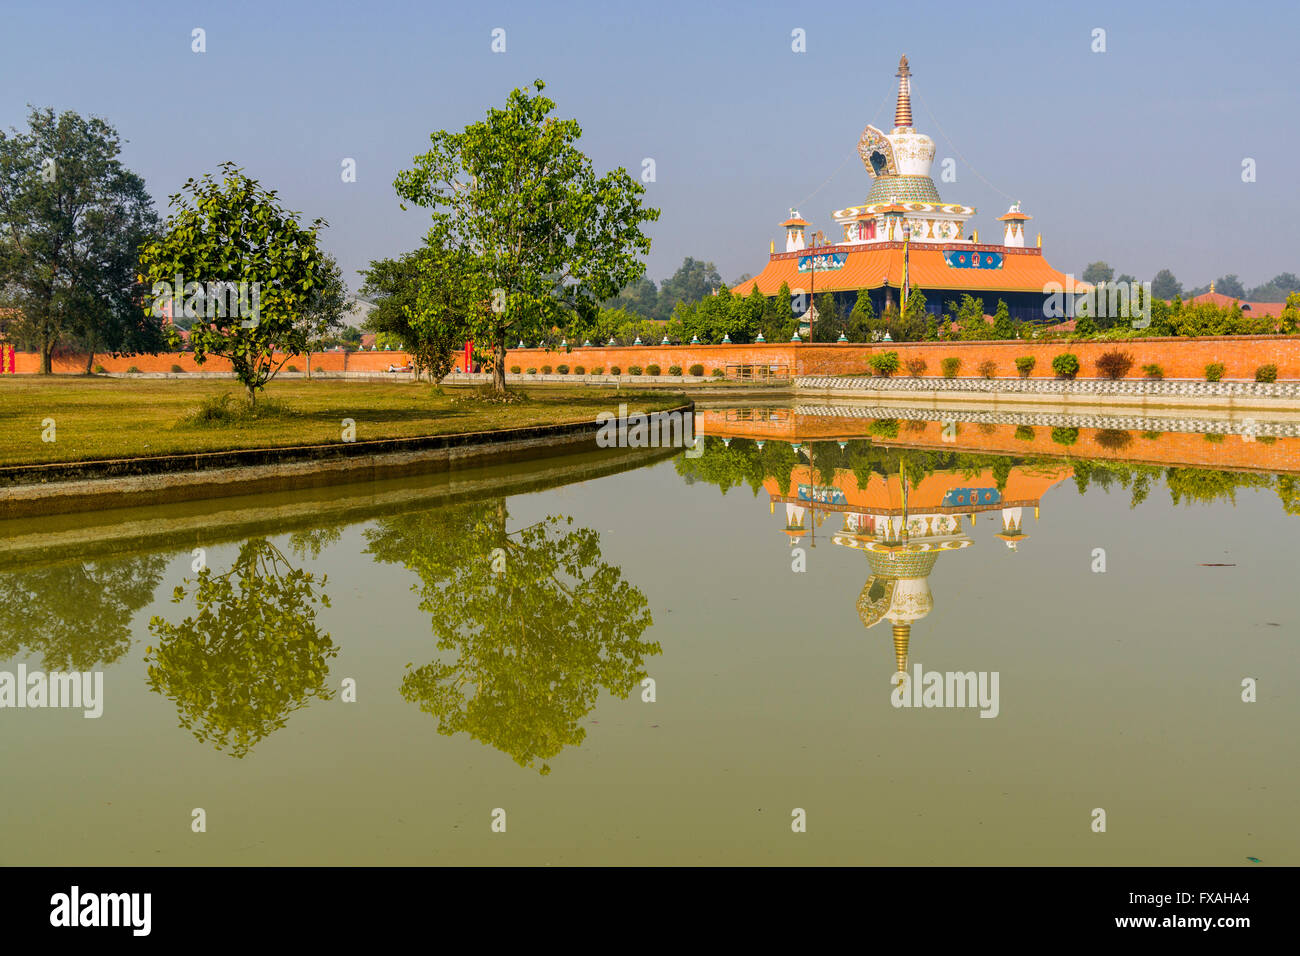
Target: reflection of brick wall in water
1174, 449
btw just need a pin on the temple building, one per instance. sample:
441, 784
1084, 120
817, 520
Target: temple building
905, 233
903, 529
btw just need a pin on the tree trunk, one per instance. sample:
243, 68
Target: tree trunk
309, 364
90, 361
499, 367
46, 365
252, 397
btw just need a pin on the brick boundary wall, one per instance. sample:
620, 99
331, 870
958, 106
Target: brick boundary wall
1180, 358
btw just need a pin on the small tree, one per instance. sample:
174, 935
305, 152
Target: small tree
916, 367
1003, 327
950, 366
884, 363
1066, 365
1025, 364
1214, 371
1114, 364
220, 235
1266, 373
987, 368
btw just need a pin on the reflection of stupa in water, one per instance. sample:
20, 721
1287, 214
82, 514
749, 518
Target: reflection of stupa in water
903, 528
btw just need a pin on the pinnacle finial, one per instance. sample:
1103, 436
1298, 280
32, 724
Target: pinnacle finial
903, 109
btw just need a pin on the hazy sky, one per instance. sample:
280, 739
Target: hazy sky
1133, 155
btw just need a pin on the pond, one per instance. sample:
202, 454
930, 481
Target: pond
629, 656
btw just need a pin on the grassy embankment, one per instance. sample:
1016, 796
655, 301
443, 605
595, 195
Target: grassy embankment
101, 418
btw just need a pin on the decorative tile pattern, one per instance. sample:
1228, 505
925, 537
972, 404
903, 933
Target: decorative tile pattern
1050, 386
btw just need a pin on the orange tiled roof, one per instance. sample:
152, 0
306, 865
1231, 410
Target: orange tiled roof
868, 267
1273, 309
795, 222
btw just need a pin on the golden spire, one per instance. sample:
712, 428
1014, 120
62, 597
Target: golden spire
1211, 285
903, 110
902, 632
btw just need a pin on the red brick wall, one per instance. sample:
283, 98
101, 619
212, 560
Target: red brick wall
1179, 357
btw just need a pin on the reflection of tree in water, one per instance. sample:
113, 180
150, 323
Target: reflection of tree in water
251, 656
538, 624
75, 616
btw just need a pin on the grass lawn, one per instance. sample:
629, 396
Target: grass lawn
96, 418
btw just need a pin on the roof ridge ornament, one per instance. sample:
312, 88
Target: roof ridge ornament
903, 108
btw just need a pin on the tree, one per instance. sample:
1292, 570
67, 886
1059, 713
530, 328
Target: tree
779, 320
1098, 272
1003, 327
1289, 320
1165, 286
1276, 289
640, 297
531, 231
415, 306
252, 655
530, 625
72, 219
692, 281
1230, 286
862, 320
326, 304
235, 237
829, 323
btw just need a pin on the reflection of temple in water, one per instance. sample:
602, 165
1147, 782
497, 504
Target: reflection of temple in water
904, 527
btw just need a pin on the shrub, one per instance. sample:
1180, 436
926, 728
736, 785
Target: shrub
635, 370
291, 368
883, 428
1114, 364
717, 373
1153, 371
562, 369
1215, 437
988, 368
514, 370
950, 367
546, 370
674, 370
697, 369
987, 429
133, 371
1152, 436
177, 368
652, 369
532, 371
1024, 433
1266, 373
1214, 371
884, 363
916, 367
1066, 365
100, 370
579, 370
598, 370
615, 370
1065, 436
1025, 364
1114, 438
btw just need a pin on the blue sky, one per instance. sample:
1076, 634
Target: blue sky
1133, 155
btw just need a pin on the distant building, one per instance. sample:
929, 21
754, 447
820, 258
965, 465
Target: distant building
941, 260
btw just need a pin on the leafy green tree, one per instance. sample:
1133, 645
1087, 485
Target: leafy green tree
1098, 272
72, 220
641, 297
862, 320
252, 655
531, 625
233, 232
1165, 285
1289, 320
326, 305
692, 282
830, 323
76, 615
533, 234
1003, 328
779, 320
1276, 289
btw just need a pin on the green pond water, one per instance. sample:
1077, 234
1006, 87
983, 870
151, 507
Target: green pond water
498, 625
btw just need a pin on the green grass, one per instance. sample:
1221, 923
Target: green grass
98, 418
